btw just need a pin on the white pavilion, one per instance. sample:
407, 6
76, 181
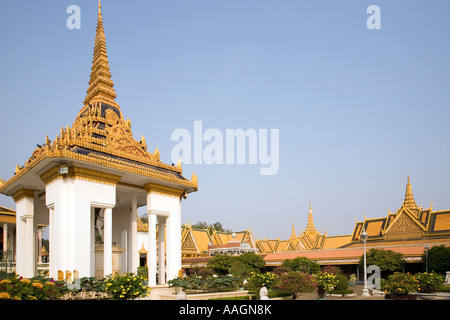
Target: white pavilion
87, 185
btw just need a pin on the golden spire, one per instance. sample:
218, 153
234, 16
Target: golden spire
293, 234
100, 83
310, 225
409, 198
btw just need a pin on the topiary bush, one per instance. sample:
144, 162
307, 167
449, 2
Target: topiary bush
342, 282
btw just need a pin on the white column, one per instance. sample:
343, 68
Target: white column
151, 256
92, 245
133, 254
39, 253
5, 237
53, 272
30, 248
161, 250
25, 262
107, 242
173, 238
123, 257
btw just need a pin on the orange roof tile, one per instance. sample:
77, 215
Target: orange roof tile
412, 250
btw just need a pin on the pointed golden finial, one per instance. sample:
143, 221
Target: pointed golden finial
100, 83
409, 201
310, 228
156, 153
143, 143
194, 178
293, 234
47, 142
179, 162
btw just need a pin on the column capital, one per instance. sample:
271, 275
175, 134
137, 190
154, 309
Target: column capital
23, 193
159, 214
161, 189
79, 173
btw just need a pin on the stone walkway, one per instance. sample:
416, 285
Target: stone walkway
356, 289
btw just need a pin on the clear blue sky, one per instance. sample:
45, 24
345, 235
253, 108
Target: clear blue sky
357, 109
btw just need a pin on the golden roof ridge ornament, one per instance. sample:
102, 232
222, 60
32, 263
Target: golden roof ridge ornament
100, 83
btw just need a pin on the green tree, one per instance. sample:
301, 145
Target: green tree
438, 259
252, 261
214, 226
244, 264
220, 263
301, 264
387, 260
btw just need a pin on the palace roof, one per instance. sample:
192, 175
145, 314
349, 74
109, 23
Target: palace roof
7, 215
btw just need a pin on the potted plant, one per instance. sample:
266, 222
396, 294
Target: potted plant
325, 281
428, 284
352, 279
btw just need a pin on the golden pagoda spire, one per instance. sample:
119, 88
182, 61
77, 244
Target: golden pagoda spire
409, 201
100, 83
293, 234
310, 225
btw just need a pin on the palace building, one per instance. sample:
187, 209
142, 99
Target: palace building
407, 231
86, 186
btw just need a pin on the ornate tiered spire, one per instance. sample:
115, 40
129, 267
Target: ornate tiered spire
100, 83
310, 225
293, 234
409, 201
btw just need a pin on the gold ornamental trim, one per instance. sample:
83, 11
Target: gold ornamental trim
23, 193
164, 190
80, 173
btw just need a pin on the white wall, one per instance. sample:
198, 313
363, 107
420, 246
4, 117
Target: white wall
72, 200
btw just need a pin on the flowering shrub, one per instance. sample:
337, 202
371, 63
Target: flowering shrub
18, 288
295, 283
258, 280
126, 287
428, 282
400, 284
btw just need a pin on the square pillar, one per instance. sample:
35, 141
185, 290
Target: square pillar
161, 249
5, 238
107, 242
53, 272
132, 248
26, 256
151, 256
173, 239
